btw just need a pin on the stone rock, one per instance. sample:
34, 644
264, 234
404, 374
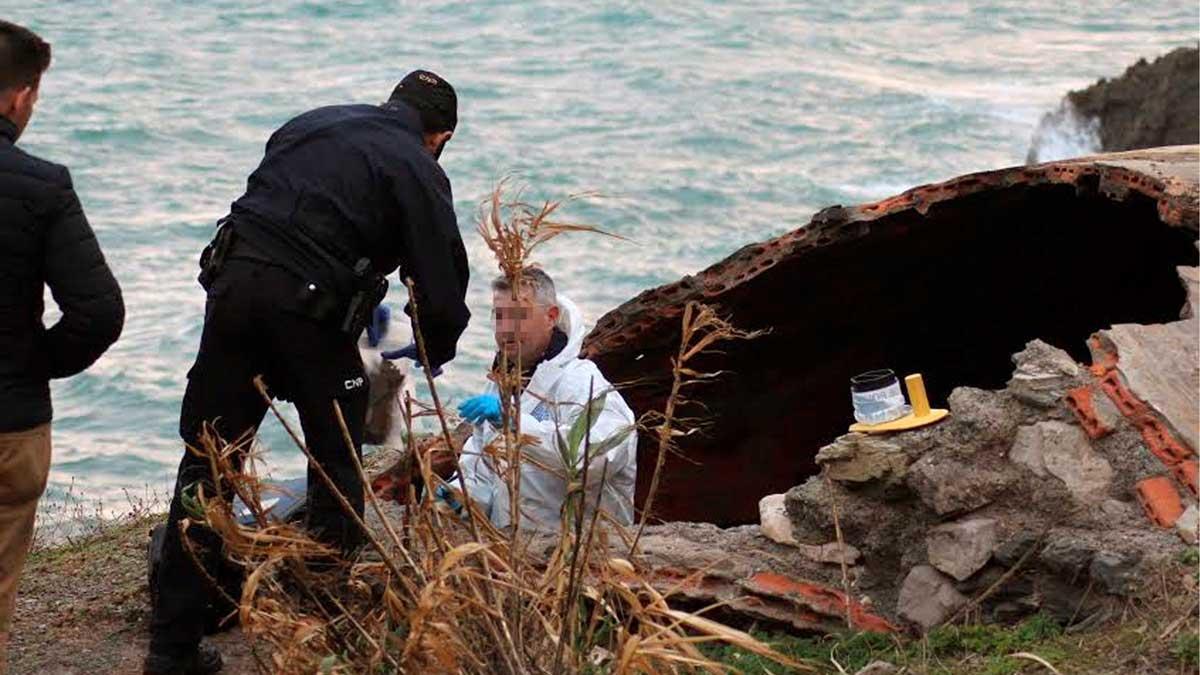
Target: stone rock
1043, 375
963, 548
1010, 552
1118, 511
1067, 556
1188, 524
1151, 104
777, 526
1160, 363
1027, 450
880, 529
878, 668
987, 415
1114, 572
927, 597
774, 521
949, 486
860, 458
1063, 451
1190, 277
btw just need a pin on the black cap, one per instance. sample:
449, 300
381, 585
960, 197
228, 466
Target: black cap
432, 97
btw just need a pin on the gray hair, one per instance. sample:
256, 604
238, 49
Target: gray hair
535, 280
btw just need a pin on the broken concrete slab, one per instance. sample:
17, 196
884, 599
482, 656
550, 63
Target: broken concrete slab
1190, 277
1188, 525
1043, 374
1063, 451
961, 549
927, 597
950, 486
860, 458
1160, 364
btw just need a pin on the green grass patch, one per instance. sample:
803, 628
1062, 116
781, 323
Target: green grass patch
953, 649
1187, 649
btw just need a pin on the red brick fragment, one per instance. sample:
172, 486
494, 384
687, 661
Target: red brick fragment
1079, 400
824, 600
1186, 472
1160, 500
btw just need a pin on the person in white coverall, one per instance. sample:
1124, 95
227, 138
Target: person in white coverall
549, 330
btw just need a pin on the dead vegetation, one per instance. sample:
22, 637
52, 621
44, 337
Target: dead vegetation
435, 591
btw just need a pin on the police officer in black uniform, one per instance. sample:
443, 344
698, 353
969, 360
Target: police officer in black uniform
344, 195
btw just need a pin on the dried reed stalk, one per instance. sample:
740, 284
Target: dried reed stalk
448, 594
702, 329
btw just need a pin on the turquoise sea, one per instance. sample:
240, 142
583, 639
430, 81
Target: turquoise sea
706, 124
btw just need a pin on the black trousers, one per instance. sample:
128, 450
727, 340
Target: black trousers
249, 330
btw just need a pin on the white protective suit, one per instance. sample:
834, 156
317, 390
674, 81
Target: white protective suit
390, 381
555, 397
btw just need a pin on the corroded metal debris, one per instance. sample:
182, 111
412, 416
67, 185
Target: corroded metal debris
947, 279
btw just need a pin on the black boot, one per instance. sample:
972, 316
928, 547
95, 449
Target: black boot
204, 660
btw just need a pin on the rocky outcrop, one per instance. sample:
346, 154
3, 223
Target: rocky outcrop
948, 280
1150, 105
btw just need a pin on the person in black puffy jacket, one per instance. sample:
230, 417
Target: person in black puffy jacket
45, 240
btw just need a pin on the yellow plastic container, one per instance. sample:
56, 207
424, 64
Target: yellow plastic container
921, 415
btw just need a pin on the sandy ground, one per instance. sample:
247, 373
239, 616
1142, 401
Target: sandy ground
85, 609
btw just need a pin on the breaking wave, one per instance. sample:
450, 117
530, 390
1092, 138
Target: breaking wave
1064, 133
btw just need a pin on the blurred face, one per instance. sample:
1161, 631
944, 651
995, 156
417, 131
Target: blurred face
522, 321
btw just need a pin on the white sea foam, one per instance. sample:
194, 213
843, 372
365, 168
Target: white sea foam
1063, 134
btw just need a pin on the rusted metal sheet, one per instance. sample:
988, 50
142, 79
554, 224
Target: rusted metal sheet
947, 279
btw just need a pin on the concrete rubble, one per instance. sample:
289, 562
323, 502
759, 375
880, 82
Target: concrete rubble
1012, 480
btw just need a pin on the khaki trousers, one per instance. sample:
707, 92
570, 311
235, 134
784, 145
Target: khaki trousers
24, 467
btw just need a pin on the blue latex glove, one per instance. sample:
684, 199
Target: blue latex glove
409, 352
378, 327
479, 408
443, 493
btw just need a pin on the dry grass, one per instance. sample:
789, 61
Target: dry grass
702, 330
513, 228
72, 519
437, 592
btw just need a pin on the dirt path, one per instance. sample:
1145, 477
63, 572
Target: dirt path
85, 609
